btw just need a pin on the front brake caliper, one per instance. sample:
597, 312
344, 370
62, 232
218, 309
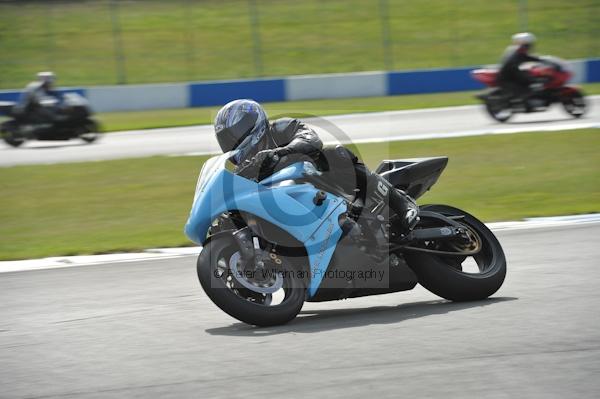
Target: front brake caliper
243, 238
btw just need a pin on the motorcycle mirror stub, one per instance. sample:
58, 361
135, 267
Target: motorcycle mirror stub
319, 198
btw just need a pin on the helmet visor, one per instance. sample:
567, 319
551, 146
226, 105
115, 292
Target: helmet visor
248, 147
230, 137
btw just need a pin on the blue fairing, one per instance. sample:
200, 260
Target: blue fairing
288, 206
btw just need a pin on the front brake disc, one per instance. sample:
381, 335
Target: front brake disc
245, 279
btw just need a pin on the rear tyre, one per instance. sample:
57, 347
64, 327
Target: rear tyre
10, 134
574, 104
498, 109
238, 298
444, 276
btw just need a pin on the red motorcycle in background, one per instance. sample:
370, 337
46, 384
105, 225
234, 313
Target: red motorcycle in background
550, 75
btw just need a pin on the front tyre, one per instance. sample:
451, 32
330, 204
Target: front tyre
248, 297
90, 131
574, 103
444, 275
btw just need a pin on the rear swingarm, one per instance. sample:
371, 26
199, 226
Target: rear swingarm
450, 230
435, 233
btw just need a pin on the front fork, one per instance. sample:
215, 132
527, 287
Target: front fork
250, 250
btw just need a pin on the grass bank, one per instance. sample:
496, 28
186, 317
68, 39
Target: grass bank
142, 41
131, 204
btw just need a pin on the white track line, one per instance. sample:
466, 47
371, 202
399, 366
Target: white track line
169, 253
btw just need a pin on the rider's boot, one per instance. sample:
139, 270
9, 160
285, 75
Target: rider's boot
380, 190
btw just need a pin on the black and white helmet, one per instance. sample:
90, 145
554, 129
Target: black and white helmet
241, 125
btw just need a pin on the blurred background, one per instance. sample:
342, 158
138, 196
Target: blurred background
129, 192
103, 42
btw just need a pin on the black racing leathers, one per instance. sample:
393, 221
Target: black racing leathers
510, 76
30, 103
290, 136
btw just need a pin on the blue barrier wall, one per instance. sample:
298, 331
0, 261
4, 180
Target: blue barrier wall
431, 81
9, 95
360, 84
593, 70
217, 93
14, 95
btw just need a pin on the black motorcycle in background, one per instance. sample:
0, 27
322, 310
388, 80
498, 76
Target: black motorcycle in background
71, 117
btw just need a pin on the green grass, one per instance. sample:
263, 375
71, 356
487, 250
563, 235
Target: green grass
198, 40
131, 204
131, 120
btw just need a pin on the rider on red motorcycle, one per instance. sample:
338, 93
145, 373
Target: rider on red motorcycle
511, 77
514, 89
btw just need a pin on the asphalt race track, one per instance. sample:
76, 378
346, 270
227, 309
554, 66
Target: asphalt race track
145, 329
426, 123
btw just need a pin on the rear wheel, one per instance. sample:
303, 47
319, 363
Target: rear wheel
498, 109
11, 134
574, 104
460, 277
271, 296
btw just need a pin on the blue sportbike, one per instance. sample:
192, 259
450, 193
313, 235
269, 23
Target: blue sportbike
297, 235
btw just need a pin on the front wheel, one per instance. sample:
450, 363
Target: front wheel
270, 296
574, 103
90, 131
447, 275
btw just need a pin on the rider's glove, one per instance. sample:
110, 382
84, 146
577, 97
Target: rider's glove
261, 165
268, 159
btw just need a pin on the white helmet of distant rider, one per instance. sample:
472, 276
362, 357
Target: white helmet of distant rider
47, 78
524, 39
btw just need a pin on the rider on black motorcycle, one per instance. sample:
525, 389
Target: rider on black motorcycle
30, 103
242, 125
511, 77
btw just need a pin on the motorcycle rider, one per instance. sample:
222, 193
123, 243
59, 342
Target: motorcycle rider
511, 77
30, 102
243, 125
